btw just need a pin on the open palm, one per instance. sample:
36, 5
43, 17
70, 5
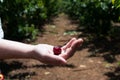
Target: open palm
45, 52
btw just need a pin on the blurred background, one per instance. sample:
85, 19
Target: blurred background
25, 17
97, 21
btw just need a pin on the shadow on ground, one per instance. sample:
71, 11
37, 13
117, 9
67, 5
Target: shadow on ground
6, 68
114, 75
14, 65
108, 48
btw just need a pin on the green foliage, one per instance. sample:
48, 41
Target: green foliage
16, 14
116, 3
53, 7
28, 33
95, 15
19, 16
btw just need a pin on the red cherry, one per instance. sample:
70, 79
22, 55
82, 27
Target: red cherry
57, 50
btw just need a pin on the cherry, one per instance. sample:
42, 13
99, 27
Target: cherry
57, 50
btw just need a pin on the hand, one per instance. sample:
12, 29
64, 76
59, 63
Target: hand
70, 48
44, 52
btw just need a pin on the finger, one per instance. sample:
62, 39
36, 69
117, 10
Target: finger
74, 47
70, 51
69, 44
76, 44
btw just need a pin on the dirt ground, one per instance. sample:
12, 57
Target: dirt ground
84, 65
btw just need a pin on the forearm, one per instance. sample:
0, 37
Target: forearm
12, 49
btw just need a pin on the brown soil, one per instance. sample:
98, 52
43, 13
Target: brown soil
82, 66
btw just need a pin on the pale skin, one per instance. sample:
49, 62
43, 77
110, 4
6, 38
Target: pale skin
42, 52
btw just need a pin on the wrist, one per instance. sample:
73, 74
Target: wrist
33, 53
30, 52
